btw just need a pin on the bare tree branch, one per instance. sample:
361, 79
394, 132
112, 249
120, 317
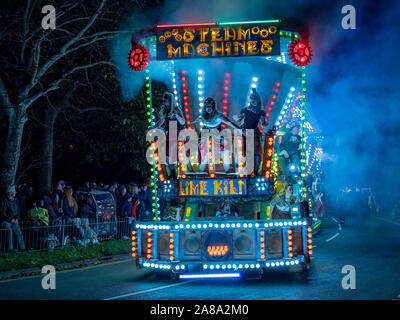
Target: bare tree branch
68, 120
79, 110
56, 84
63, 50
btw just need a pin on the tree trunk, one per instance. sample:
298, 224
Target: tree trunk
45, 149
16, 121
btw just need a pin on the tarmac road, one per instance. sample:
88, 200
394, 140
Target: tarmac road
371, 246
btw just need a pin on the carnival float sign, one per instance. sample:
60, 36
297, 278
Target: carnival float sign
214, 41
212, 187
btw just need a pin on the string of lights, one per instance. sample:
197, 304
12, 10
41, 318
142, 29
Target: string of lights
303, 132
151, 123
201, 94
186, 99
288, 101
272, 101
225, 100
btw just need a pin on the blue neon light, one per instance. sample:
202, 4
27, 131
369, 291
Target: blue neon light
210, 275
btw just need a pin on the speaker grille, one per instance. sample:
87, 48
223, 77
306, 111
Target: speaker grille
244, 244
191, 244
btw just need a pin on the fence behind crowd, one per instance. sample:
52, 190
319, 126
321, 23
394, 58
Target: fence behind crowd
61, 233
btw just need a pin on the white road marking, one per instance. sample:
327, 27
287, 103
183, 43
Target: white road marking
333, 237
147, 290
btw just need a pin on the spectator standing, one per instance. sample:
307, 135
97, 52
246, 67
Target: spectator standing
48, 204
70, 213
58, 196
126, 208
130, 187
138, 203
10, 213
113, 189
125, 213
146, 195
87, 210
54, 214
70, 207
121, 195
114, 185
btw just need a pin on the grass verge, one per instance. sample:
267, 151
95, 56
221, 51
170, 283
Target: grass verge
31, 259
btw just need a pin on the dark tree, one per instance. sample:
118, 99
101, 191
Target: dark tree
31, 57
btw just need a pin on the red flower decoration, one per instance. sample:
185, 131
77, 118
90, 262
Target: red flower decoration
138, 57
300, 53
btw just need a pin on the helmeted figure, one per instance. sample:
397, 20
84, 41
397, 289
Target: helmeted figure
250, 118
169, 112
211, 119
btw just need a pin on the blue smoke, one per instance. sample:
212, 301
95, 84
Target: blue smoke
352, 81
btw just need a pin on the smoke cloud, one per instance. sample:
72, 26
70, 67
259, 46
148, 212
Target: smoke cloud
352, 81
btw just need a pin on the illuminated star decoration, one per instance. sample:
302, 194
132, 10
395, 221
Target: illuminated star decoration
300, 53
138, 57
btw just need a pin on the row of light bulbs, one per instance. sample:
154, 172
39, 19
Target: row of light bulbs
223, 225
224, 266
163, 266
277, 263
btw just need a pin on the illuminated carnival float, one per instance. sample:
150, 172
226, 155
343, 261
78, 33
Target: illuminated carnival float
212, 216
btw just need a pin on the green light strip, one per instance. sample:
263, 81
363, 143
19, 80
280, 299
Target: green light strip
153, 169
287, 34
317, 225
275, 169
248, 22
303, 133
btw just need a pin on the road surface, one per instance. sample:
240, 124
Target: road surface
371, 246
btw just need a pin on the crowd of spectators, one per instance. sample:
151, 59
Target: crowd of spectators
26, 207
